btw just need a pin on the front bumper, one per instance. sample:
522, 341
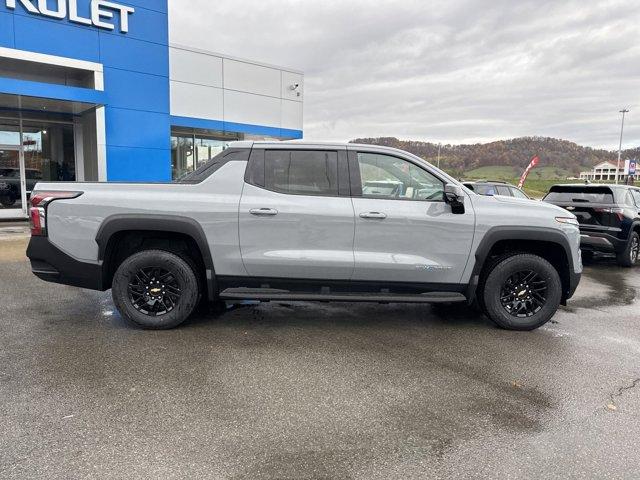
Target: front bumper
51, 264
574, 280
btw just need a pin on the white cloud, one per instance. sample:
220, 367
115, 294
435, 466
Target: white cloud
451, 71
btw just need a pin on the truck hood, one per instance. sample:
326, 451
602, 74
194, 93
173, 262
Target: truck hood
523, 205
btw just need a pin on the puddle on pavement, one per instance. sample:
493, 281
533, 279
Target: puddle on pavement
606, 284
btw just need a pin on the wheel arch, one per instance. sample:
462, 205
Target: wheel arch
548, 243
113, 227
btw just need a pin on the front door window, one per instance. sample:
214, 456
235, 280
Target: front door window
384, 176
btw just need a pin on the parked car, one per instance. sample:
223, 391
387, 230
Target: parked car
495, 187
609, 217
10, 184
302, 221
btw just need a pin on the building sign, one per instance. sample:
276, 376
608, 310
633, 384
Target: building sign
102, 11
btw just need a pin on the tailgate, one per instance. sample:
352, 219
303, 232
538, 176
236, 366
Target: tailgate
593, 206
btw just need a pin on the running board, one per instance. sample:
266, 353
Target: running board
267, 294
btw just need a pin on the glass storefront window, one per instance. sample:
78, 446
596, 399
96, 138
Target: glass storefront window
9, 133
47, 149
10, 195
191, 148
182, 158
10, 189
207, 148
48, 153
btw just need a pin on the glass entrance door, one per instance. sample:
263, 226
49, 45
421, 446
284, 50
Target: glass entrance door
33, 150
12, 185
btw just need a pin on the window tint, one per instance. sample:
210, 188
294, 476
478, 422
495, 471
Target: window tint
580, 194
384, 176
518, 193
302, 172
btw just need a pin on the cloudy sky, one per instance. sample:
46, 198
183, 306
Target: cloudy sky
454, 71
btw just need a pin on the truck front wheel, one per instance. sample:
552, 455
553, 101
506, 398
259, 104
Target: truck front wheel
155, 289
522, 292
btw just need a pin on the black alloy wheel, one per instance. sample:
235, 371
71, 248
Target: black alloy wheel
154, 291
523, 294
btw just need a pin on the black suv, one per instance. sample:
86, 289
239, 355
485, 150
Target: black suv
609, 217
495, 187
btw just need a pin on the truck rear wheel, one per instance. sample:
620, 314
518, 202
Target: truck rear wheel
155, 289
522, 292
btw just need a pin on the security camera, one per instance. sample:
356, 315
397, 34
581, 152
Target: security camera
294, 86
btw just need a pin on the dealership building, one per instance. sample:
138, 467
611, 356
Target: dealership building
92, 90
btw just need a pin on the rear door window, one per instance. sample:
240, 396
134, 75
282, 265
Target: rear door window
301, 172
578, 194
636, 197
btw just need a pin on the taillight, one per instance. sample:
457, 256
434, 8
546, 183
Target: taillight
36, 219
619, 212
38, 210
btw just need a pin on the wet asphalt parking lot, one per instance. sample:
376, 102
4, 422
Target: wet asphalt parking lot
303, 390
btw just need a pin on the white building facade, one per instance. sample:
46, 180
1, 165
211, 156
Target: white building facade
603, 172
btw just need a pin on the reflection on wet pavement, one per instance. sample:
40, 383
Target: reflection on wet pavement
604, 284
317, 390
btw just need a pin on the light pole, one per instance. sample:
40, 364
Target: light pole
623, 111
439, 145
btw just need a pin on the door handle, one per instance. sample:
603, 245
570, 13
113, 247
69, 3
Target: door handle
378, 215
263, 211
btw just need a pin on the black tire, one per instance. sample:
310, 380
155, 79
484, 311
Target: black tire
630, 256
521, 292
176, 289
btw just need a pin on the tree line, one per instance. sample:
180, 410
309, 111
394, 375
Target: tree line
516, 152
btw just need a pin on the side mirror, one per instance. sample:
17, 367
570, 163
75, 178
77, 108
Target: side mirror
454, 196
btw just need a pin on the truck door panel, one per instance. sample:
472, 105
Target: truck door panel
296, 224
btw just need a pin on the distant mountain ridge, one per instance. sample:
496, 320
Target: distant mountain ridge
515, 152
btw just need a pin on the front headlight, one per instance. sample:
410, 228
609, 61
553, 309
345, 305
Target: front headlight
569, 220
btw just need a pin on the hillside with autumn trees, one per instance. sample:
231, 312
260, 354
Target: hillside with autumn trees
566, 158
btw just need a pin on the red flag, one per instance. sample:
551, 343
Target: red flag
533, 163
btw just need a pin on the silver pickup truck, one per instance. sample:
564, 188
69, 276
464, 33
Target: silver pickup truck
306, 221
